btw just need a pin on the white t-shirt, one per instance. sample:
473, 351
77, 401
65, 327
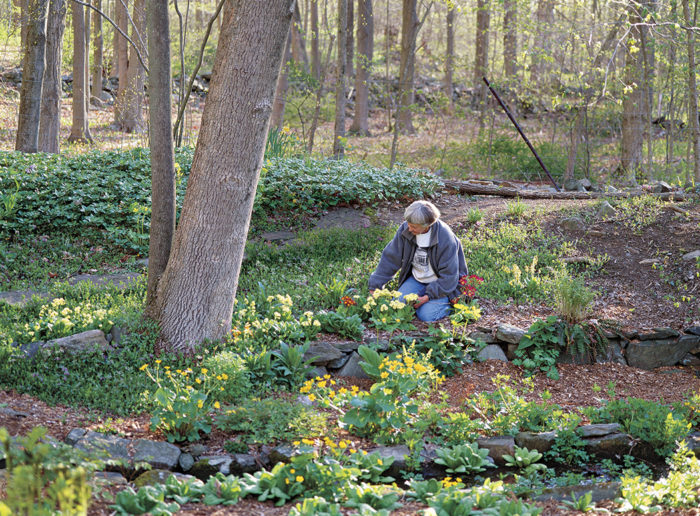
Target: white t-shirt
422, 270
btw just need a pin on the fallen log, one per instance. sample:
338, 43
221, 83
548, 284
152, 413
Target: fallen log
484, 188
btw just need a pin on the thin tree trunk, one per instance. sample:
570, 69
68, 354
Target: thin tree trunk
32, 78
132, 105
540, 64
24, 23
277, 117
339, 128
315, 49
196, 292
161, 145
447, 83
692, 87
80, 131
88, 16
350, 46
50, 119
409, 32
122, 59
298, 43
510, 39
365, 55
98, 43
481, 54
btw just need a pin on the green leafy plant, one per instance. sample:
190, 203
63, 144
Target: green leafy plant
315, 506
474, 215
222, 490
464, 458
377, 497
458, 427
184, 491
569, 447
289, 365
372, 466
540, 347
583, 503
330, 293
525, 460
350, 327
573, 298
516, 209
147, 500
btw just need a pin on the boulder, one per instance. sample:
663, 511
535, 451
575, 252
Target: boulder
347, 346
104, 446
74, 436
694, 255
8, 412
159, 454
498, 447
318, 371
352, 367
156, 477
186, 461
90, 340
605, 211
659, 334
242, 463
661, 187
488, 338
398, 453
508, 333
116, 334
110, 478
321, 353
540, 441
650, 354
209, 466
339, 362
492, 352
613, 353
694, 330
282, 453
598, 430
20, 298
572, 224
693, 442
610, 446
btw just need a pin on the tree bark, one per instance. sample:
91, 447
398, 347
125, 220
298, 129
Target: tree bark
32, 77
315, 48
196, 292
298, 43
122, 59
510, 39
350, 46
98, 44
447, 83
80, 131
365, 55
339, 128
161, 145
540, 66
133, 95
409, 32
481, 54
692, 87
277, 117
51, 92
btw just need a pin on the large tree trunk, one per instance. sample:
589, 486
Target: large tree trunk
277, 117
447, 83
32, 78
196, 292
692, 87
98, 44
161, 144
409, 32
121, 58
510, 39
80, 131
132, 100
365, 51
481, 54
350, 46
51, 92
315, 48
339, 128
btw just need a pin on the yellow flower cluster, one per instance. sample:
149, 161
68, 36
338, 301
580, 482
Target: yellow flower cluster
403, 365
447, 482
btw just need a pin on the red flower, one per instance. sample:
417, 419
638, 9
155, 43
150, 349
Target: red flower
469, 284
348, 301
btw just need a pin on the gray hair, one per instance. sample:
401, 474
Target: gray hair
421, 213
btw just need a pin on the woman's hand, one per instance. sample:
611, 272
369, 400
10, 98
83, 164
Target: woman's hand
421, 301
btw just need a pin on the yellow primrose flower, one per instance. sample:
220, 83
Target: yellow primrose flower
307, 441
143, 367
200, 403
158, 361
343, 444
312, 397
217, 405
299, 478
292, 471
224, 376
286, 481
384, 374
198, 380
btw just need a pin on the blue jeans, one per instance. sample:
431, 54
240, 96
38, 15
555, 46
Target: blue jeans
434, 309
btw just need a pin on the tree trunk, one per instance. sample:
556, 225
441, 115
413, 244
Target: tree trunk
350, 46
339, 128
540, 65
277, 117
481, 54
365, 55
510, 39
196, 292
447, 83
122, 59
161, 144
298, 44
88, 16
80, 131
51, 92
133, 94
98, 43
32, 78
315, 48
409, 32
24, 23
692, 87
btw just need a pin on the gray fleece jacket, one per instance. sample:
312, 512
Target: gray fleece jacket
444, 252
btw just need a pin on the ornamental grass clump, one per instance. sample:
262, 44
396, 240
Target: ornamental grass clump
182, 402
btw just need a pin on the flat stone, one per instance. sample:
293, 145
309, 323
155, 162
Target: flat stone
21, 298
694, 330
598, 430
352, 367
540, 441
508, 333
659, 334
104, 446
599, 492
209, 466
610, 446
347, 346
186, 461
242, 463
694, 255
398, 453
79, 343
156, 477
650, 354
498, 447
572, 224
321, 353
661, 187
488, 338
6, 411
282, 453
316, 372
278, 236
197, 449
605, 211
74, 436
111, 478
338, 362
159, 454
492, 352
